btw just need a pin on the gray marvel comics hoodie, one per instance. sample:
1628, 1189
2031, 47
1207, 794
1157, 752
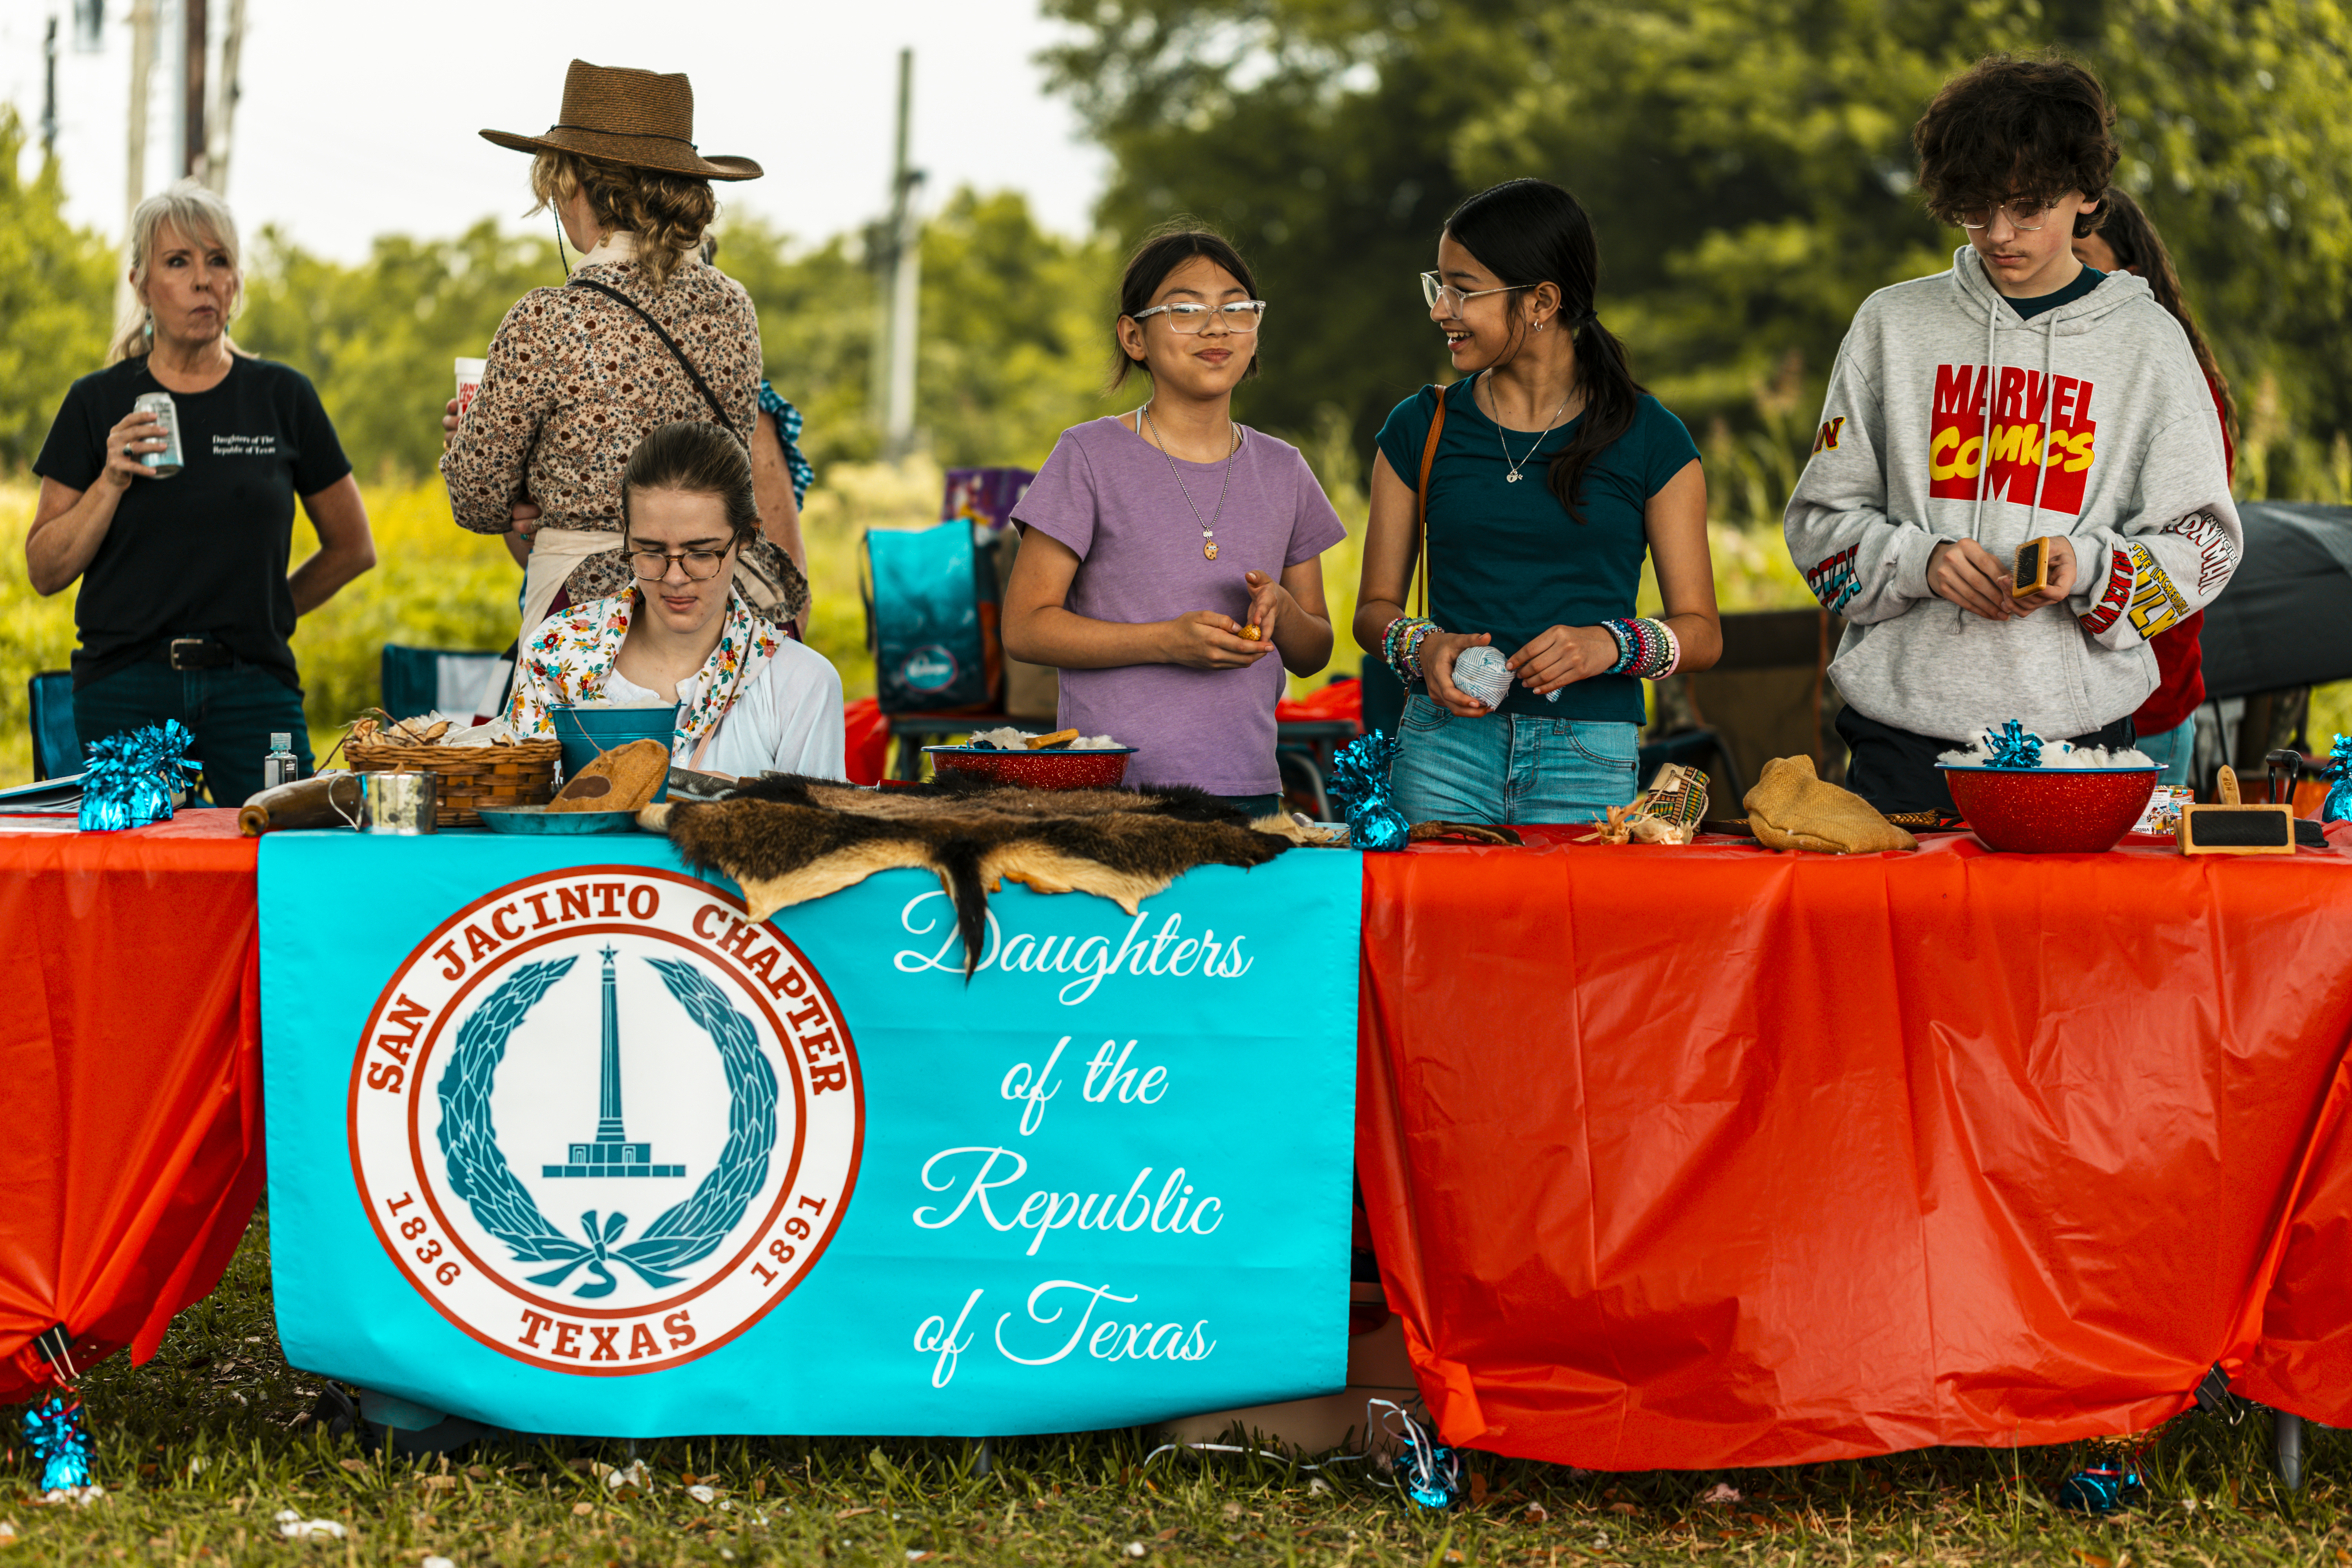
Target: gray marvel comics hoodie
2101, 430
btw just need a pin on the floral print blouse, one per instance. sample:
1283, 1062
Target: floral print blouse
566, 660
573, 381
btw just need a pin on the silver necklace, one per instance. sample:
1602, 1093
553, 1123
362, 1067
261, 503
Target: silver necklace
1208, 529
1513, 477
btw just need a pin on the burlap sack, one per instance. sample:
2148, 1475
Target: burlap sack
1791, 808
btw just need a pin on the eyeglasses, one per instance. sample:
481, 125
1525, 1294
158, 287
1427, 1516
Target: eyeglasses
1238, 315
1435, 291
2026, 217
699, 565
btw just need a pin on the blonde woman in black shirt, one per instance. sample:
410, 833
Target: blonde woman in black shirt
186, 603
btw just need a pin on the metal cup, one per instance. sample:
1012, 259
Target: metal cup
401, 804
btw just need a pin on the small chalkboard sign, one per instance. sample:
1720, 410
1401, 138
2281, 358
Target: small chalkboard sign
2033, 571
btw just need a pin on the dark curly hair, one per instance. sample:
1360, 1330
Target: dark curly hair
2008, 129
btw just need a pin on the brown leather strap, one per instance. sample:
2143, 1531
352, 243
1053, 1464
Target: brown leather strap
1421, 515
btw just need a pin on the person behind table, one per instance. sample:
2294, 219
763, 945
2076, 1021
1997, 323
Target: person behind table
1154, 540
2126, 241
1554, 473
2020, 394
574, 378
186, 604
750, 700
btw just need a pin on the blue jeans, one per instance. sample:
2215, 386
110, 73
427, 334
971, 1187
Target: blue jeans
2173, 750
232, 714
1509, 768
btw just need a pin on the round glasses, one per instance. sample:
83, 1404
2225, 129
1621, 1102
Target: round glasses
699, 565
2025, 216
1435, 291
1238, 315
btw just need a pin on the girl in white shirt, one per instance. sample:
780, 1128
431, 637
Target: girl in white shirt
750, 700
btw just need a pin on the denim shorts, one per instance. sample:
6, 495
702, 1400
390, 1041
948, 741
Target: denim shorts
1510, 768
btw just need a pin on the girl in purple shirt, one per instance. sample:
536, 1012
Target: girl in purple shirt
1169, 563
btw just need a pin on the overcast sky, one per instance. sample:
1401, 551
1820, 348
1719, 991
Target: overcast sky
358, 120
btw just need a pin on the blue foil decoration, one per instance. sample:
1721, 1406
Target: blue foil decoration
2101, 1489
130, 778
1359, 779
2337, 806
2012, 746
59, 1441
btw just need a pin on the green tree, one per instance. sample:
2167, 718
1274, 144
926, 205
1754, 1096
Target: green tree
1747, 166
379, 339
1013, 324
56, 293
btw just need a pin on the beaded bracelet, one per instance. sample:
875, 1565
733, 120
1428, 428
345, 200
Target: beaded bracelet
1400, 645
1647, 648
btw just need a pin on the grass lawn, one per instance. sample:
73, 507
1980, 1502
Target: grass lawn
201, 1449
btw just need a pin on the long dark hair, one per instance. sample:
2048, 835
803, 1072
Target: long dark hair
1527, 232
2136, 245
1161, 252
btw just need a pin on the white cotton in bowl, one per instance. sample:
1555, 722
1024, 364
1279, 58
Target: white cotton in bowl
2054, 755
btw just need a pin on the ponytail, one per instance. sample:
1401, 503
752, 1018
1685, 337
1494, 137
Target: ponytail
1611, 398
1527, 232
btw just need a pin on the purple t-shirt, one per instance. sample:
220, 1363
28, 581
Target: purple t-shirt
1107, 493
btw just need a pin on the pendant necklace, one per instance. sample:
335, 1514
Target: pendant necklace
1208, 529
1513, 477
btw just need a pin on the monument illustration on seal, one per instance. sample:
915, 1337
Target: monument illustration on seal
610, 1153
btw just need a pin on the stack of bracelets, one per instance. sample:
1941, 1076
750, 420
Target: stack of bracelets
1646, 648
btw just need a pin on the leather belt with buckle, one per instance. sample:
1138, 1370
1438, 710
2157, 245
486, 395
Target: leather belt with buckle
195, 653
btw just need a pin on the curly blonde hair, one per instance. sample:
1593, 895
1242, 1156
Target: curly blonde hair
667, 213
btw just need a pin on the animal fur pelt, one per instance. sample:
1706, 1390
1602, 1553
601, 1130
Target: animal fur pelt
788, 840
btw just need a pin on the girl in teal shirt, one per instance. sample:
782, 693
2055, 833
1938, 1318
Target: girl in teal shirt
1553, 475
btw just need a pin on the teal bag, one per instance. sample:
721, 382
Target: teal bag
923, 619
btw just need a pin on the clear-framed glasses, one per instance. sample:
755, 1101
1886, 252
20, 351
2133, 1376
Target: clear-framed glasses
699, 565
1436, 290
1237, 315
2025, 216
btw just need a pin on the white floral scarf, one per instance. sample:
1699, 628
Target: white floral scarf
567, 661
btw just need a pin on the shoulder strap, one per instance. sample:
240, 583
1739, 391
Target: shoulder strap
1421, 496
700, 386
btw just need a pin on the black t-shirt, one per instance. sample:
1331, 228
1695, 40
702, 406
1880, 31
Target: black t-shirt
2084, 281
204, 552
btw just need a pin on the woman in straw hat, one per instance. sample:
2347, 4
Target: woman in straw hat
643, 334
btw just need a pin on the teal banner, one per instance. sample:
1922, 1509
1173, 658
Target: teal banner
559, 1142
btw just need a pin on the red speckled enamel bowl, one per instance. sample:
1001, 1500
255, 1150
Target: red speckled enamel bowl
1038, 770
2050, 811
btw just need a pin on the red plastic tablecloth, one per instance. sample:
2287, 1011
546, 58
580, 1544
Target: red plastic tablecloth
1710, 1156
131, 1049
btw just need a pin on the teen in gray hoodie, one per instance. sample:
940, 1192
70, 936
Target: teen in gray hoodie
1959, 412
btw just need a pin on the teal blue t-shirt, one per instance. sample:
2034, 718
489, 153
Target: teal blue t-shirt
1507, 559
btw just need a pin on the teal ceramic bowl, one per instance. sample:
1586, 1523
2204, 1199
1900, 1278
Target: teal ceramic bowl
584, 731
538, 819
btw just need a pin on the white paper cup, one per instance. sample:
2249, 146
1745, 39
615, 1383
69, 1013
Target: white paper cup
469, 381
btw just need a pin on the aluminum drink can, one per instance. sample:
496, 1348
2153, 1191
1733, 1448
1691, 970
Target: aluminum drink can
170, 459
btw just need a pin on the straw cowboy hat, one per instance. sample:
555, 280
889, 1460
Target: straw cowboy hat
642, 119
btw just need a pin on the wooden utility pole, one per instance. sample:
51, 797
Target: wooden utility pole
197, 42
226, 88
142, 70
898, 262
50, 92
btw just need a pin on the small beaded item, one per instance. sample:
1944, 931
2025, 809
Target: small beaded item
1400, 645
1647, 648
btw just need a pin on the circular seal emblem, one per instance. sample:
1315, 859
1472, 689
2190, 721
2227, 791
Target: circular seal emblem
602, 1122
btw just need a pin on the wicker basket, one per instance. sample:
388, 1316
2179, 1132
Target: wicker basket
471, 776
